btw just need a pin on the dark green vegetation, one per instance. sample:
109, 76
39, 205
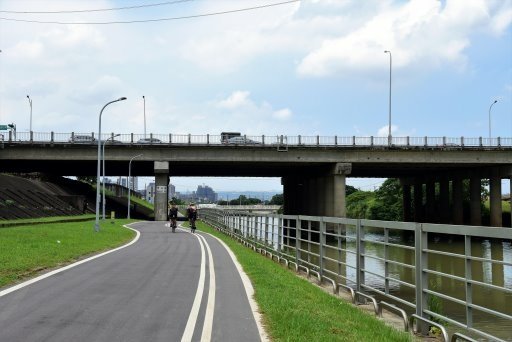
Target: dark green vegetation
27, 250
295, 310
385, 203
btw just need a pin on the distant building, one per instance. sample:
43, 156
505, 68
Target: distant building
172, 191
150, 193
205, 194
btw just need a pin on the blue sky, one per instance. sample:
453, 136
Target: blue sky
308, 67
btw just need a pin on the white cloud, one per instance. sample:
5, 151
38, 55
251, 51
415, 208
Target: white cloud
384, 131
283, 114
419, 32
235, 100
501, 21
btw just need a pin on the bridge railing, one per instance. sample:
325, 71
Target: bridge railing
346, 252
266, 140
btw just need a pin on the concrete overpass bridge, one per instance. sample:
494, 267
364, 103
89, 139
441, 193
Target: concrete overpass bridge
313, 169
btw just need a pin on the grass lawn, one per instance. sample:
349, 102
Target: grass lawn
295, 310
49, 219
27, 250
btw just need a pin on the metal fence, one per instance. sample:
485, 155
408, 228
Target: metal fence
263, 140
341, 252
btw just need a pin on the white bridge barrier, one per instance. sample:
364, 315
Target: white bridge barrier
279, 141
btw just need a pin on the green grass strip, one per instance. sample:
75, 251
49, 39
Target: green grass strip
25, 251
296, 310
48, 219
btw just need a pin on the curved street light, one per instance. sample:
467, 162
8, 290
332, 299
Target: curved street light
97, 222
389, 124
104, 172
490, 120
129, 176
30, 102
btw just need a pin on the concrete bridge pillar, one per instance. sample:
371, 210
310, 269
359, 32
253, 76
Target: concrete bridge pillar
431, 201
161, 188
406, 202
475, 199
444, 203
495, 199
457, 200
337, 183
320, 195
418, 201
293, 203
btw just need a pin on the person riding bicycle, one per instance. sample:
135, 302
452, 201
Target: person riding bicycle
173, 216
192, 216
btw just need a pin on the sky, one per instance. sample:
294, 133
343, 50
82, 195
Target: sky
310, 67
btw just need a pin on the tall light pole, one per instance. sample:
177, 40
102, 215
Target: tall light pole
129, 176
389, 124
144, 98
104, 173
97, 222
30, 102
492, 104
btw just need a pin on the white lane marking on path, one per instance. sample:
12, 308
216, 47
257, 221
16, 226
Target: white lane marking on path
192, 318
210, 308
249, 290
49, 274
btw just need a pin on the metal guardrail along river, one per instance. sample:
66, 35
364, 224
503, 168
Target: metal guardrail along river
413, 268
263, 140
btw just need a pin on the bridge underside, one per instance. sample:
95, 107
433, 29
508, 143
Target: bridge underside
313, 179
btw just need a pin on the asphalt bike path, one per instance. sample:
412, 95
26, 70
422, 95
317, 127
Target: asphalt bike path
161, 288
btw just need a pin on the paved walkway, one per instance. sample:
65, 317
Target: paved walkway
161, 288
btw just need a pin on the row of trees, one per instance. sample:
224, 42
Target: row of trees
386, 202
244, 200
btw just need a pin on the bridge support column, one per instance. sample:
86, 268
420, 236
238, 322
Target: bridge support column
444, 195
406, 202
161, 188
495, 199
334, 199
475, 200
457, 200
418, 201
293, 193
431, 201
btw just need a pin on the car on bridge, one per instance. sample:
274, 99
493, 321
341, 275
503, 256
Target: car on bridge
241, 141
149, 141
85, 139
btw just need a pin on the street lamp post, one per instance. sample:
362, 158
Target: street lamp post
129, 176
389, 124
97, 222
30, 102
144, 98
490, 136
104, 172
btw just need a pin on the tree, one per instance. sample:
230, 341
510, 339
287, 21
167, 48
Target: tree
277, 200
358, 204
349, 190
388, 202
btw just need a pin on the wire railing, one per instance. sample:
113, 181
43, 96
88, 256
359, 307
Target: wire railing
261, 140
393, 262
